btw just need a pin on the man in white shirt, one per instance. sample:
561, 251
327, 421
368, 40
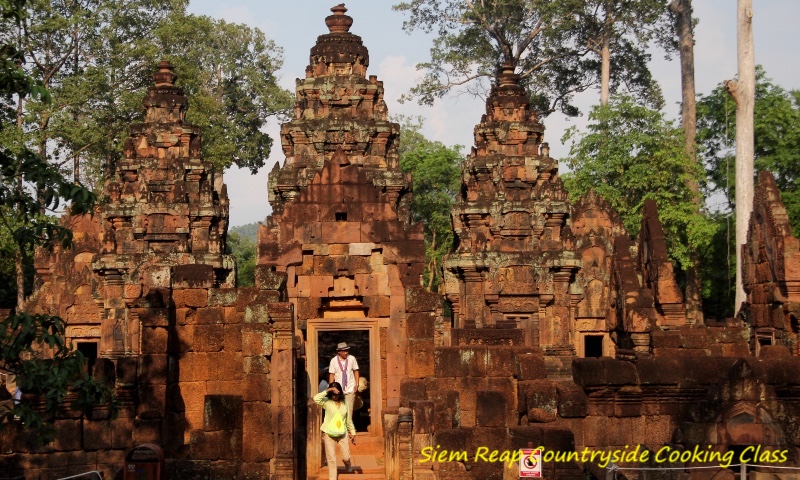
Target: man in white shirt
344, 369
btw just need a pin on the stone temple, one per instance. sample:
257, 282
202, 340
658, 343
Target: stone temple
565, 332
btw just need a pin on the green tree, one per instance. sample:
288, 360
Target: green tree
618, 33
474, 38
96, 57
548, 42
632, 153
244, 251
228, 72
436, 174
32, 347
777, 141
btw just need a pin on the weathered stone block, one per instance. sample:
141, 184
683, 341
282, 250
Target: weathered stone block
209, 338
222, 412
257, 341
192, 276
423, 416
152, 401
193, 297
193, 367
491, 409
257, 430
529, 366
420, 325
210, 315
410, 390
500, 362
153, 369
256, 387
420, 358
225, 366
233, 337
420, 300
447, 362
572, 400
152, 317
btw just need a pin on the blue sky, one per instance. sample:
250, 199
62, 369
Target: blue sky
295, 25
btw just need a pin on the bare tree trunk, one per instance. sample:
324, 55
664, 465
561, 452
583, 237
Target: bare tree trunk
432, 263
19, 265
683, 26
743, 92
605, 72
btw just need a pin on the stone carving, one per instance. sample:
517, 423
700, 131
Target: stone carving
771, 271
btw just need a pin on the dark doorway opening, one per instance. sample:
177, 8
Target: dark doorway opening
358, 341
593, 346
89, 351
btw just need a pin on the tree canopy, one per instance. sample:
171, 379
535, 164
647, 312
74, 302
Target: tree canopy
632, 153
548, 42
436, 173
32, 347
96, 57
777, 141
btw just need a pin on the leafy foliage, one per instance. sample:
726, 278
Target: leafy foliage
626, 28
548, 42
32, 347
96, 57
436, 173
632, 153
244, 251
475, 38
777, 140
248, 231
230, 79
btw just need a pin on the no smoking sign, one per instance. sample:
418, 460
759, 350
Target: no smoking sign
530, 464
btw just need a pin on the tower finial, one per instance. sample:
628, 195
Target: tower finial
165, 76
339, 22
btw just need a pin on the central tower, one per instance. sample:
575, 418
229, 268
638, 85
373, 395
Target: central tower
341, 230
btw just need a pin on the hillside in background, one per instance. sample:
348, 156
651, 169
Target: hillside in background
248, 231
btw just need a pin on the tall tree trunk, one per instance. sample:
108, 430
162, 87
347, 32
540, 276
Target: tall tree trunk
605, 60
19, 264
683, 27
743, 91
432, 263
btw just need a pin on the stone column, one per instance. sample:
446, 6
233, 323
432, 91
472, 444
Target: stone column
282, 383
562, 345
473, 298
114, 322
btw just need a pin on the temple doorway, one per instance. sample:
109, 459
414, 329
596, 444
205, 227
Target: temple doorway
358, 341
363, 337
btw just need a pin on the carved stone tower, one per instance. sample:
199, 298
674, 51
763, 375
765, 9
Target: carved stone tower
514, 259
165, 207
340, 226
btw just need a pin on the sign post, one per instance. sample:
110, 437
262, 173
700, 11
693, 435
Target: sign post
530, 464
145, 462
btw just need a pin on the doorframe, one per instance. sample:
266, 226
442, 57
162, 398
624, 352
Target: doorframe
372, 325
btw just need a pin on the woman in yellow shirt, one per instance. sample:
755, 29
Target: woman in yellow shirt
337, 427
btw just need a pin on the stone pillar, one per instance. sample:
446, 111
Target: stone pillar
313, 436
282, 383
641, 342
562, 341
114, 322
405, 444
390, 441
473, 303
